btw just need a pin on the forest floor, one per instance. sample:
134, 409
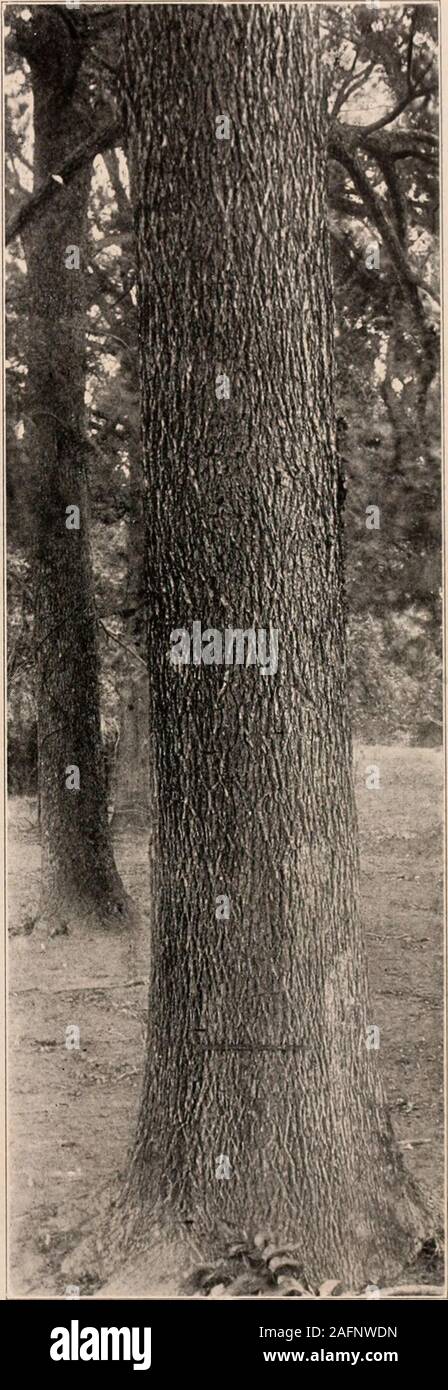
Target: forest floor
72, 1110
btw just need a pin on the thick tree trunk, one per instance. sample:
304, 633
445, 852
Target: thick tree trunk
78, 870
257, 1049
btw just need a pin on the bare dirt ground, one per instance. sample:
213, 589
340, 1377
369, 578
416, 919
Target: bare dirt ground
72, 1110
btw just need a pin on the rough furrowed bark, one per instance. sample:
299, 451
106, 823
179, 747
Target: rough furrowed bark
79, 876
262, 1106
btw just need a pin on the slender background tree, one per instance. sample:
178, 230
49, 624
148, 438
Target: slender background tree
79, 876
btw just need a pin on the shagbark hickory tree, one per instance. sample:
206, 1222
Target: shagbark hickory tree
257, 1047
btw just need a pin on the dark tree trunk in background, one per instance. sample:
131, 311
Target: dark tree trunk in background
78, 869
406, 410
410, 503
131, 777
257, 1024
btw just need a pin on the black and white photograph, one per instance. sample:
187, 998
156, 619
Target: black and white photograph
223, 461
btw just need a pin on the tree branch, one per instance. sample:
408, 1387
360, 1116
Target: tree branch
401, 106
344, 153
131, 650
410, 50
102, 140
351, 85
